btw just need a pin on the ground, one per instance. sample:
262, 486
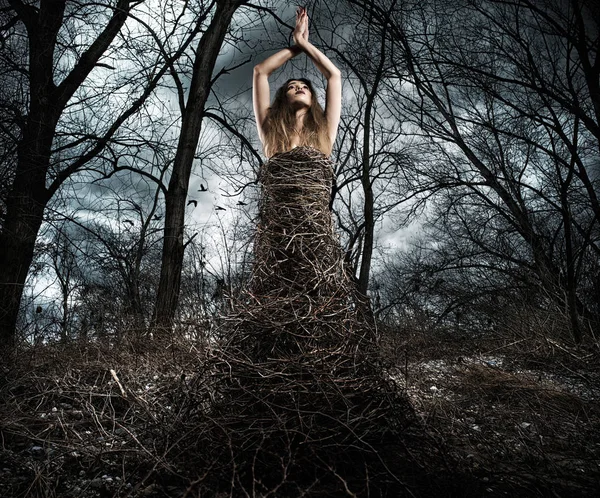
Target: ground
515, 416
521, 414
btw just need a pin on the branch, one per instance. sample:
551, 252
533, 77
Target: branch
235, 132
136, 105
227, 70
89, 59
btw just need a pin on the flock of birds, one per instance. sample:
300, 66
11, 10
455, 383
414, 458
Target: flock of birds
194, 203
217, 208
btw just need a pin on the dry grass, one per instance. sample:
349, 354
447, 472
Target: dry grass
174, 425
526, 431
70, 415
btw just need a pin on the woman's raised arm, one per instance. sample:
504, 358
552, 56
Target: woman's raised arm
261, 97
333, 94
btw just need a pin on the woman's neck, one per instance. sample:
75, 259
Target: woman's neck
300, 115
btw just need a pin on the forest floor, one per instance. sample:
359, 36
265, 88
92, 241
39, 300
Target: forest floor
512, 417
520, 414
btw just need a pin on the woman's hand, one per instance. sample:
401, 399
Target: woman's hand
300, 33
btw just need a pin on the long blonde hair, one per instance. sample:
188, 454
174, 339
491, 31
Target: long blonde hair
280, 124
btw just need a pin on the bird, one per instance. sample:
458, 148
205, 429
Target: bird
219, 208
192, 201
241, 203
128, 221
202, 188
156, 217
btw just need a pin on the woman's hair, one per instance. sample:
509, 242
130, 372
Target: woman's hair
281, 121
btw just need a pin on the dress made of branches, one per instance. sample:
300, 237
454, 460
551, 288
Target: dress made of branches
300, 381
301, 304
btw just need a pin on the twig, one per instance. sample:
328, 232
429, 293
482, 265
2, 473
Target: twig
114, 376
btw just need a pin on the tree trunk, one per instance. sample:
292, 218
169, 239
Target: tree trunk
570, 263
28, 195
175, 198
368, 208
24, 214
366, 180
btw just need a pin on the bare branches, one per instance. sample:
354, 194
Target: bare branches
92, 55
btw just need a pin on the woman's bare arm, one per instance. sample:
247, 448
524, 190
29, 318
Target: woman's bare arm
333, 94
261, 97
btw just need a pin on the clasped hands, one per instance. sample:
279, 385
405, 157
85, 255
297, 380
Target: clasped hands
300, 34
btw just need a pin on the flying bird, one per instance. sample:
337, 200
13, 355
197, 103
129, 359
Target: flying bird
241, 203
219, 208
202, 188
128, 221
192, 201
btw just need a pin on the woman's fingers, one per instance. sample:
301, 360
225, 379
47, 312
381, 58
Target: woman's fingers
301, 24
305, 31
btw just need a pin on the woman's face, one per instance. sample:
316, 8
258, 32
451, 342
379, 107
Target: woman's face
298, 93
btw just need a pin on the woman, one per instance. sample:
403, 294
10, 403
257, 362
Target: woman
296, 118
296, 250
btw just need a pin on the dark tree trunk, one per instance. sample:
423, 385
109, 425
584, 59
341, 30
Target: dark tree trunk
366, 180
570, 263
28, 196
175, 199
25, 205
24, 212
368, 208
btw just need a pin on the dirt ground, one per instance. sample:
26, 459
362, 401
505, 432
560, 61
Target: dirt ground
511, 417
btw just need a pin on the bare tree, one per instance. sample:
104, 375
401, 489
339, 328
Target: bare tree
502, 97
373, 148
54, 129
120, 253
175, 199
63, 261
